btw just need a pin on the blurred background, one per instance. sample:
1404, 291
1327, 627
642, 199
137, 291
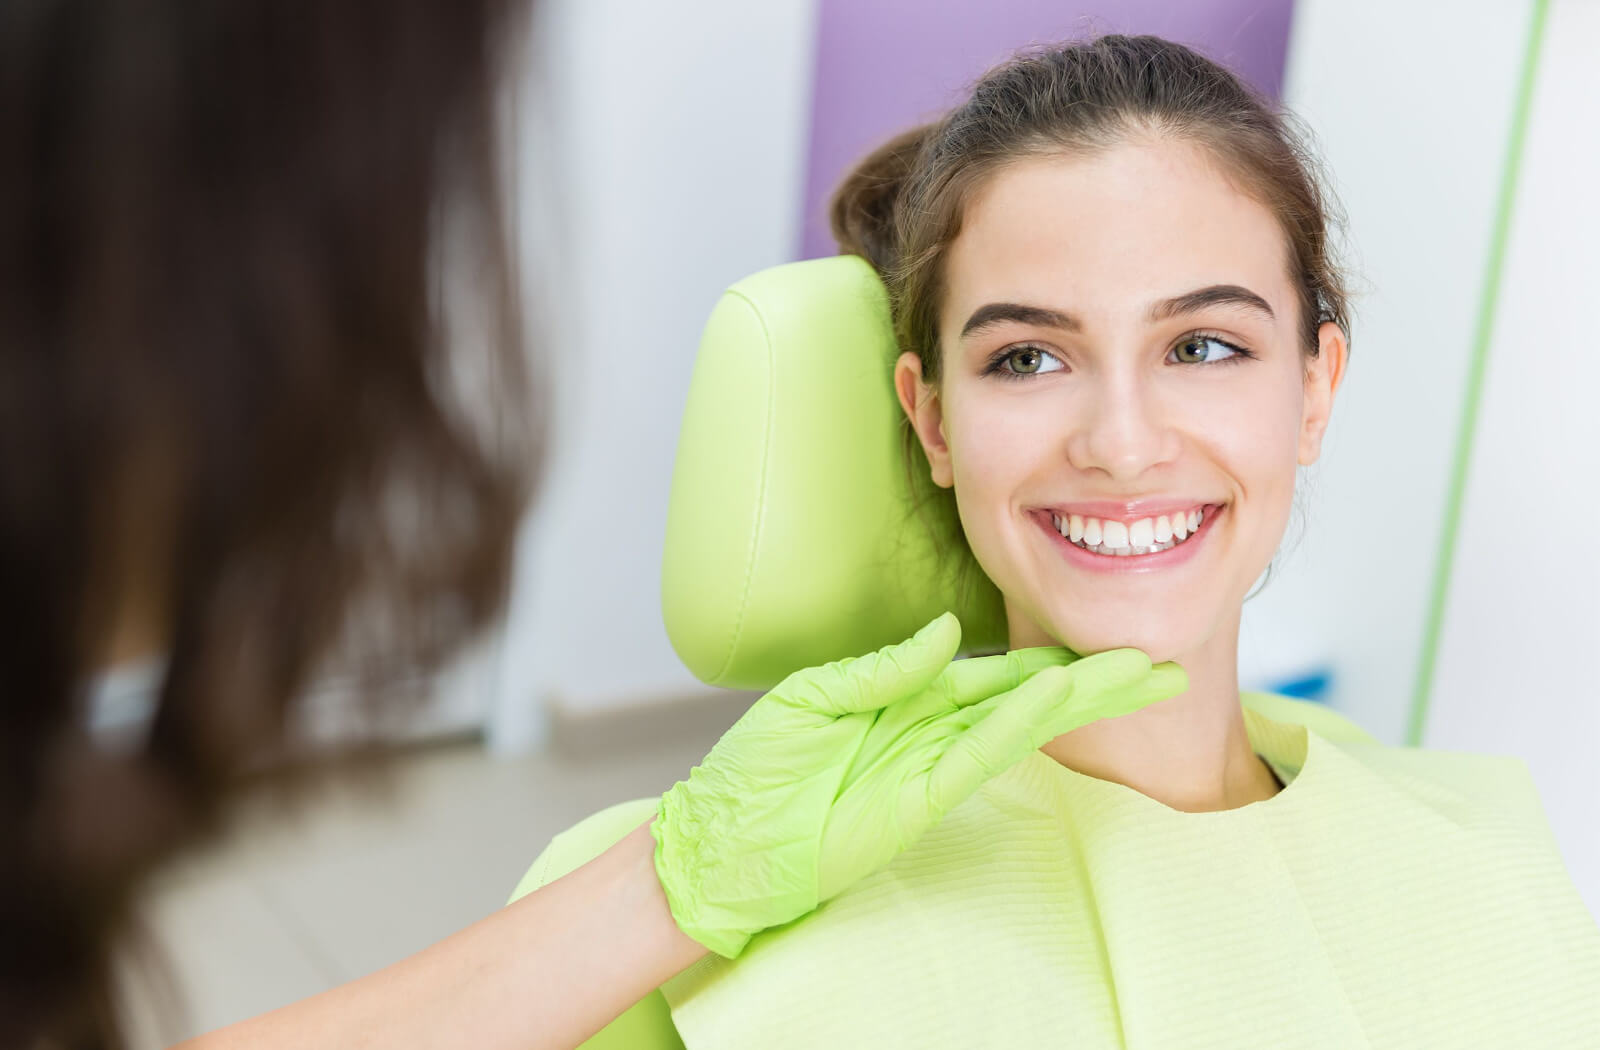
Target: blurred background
1437, 587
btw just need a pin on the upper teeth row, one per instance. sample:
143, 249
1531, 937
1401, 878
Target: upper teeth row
1146, 532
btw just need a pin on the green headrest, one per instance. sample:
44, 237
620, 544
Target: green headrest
794, 535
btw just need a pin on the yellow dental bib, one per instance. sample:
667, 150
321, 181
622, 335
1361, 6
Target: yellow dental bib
1387, 897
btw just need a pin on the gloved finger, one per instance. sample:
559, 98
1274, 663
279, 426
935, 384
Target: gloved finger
893, 673
978, 678
1105, 671
1006, 728
1036, 658
1092, 698
1056, 700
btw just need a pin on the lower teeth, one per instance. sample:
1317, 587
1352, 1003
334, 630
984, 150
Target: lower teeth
1125, 552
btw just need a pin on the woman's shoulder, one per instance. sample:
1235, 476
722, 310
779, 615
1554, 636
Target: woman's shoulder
1329, 723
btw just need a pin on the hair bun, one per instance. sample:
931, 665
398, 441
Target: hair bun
861, 213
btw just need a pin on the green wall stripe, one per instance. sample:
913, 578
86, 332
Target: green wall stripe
1488, 300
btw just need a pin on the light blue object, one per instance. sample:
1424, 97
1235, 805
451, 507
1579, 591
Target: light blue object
788, 547
1314, 684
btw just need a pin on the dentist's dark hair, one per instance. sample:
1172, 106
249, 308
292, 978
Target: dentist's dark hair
263, 393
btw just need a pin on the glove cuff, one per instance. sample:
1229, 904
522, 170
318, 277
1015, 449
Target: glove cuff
678, 867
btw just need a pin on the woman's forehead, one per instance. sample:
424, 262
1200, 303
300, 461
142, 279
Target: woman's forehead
1113, 232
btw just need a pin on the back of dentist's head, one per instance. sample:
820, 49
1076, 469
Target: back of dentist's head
236, 432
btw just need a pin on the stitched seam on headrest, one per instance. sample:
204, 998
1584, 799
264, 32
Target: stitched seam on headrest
761, 487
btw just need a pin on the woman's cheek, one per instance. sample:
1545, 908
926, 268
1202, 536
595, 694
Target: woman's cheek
993, 454
997, 444
1259, 450
992, 451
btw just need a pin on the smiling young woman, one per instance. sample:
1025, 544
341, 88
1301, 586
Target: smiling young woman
1120, 338
1111, 370
1121, 335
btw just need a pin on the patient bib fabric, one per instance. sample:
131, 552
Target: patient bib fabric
1387, 897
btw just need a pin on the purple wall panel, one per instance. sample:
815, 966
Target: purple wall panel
883, 65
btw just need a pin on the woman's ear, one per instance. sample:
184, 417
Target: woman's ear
921, 404
1324, 373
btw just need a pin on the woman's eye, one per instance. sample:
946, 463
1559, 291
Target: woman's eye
1028, 360
1192, 351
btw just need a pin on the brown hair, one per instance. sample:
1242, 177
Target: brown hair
226, 400
902, 206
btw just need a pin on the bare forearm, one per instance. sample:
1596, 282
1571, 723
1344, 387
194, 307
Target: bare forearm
547, 971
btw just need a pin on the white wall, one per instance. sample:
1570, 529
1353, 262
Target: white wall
1520, 630
1411, 104
1416, 120
676, 142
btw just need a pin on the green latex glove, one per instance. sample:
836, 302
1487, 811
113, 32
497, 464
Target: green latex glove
829, 776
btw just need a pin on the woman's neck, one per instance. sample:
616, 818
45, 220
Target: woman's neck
1190, 753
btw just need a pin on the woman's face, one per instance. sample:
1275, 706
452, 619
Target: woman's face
1089, 374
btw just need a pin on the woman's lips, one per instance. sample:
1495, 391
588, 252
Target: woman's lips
1135, 563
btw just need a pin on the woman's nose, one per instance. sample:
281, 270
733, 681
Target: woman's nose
1122, 431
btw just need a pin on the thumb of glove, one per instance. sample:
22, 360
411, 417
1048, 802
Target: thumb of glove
878, 679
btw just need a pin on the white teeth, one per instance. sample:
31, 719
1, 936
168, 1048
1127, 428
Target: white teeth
1119, 539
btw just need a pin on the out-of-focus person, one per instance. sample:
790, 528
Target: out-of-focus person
238, 433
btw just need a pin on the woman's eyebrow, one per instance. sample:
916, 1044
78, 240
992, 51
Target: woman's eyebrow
991, 314
1215, 295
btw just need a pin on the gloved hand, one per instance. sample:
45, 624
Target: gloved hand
829, 776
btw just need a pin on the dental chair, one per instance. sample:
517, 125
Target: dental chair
796, 532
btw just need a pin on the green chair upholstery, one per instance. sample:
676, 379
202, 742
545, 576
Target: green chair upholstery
796, 534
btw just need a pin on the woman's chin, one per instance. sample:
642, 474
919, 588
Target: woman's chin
1159, 638
1158, 647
